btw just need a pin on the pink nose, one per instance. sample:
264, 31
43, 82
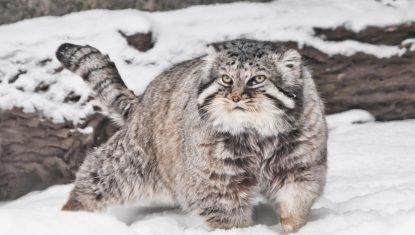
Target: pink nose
236, 99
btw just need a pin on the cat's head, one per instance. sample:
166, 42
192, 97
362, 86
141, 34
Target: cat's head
250, 85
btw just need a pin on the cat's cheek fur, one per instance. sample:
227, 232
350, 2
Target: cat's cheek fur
211, 90
286, 101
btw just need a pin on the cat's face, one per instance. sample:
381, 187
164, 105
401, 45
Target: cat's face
250, 86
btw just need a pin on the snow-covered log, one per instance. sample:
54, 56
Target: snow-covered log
383, 86
14, 10
36, 153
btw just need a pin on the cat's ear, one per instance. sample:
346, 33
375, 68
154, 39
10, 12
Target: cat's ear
290, 64
212, 53
291, 59
213, 48
216, 47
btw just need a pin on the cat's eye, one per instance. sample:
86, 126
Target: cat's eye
289, 65
227, 80
257, 80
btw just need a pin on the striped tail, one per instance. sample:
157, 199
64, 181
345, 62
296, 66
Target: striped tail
102, 76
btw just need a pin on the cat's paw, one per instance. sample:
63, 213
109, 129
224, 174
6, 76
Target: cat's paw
292, 225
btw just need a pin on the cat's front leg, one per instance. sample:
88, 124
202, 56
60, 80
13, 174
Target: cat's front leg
294, 201
294, 193
226, 218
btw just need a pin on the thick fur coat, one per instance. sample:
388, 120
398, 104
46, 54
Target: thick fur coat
209, 133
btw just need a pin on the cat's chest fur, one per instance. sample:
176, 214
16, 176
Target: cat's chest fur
236, 161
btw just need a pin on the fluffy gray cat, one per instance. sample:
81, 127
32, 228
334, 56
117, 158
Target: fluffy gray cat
209, 134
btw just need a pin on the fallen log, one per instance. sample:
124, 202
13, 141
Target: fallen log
390, 35
36, 153
384, 87
15, 10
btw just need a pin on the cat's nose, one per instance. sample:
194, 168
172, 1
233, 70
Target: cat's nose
236, 99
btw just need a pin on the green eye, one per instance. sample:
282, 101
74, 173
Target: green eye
260, 78
257, 80
227, 80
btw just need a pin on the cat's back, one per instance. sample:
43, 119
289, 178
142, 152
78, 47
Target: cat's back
163, 111
169, 86
176, 77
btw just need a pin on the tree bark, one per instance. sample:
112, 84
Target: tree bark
36, 153
384, 87
390, 35
15, 10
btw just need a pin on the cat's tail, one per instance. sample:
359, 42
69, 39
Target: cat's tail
102, 76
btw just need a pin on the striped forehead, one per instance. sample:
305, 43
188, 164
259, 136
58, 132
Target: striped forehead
244, 65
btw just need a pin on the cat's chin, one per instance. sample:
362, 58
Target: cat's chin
240, 121
238, 109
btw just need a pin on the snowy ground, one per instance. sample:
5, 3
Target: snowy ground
371, 177
29, 45
370, 191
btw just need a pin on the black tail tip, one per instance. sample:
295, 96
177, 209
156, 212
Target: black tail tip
63, 49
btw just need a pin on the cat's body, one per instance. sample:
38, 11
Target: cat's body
209, 144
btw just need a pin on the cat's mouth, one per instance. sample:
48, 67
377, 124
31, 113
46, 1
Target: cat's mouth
237, 106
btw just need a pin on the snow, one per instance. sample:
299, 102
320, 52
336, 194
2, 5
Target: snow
86, 130
370, 190
409, 43
338, 122
371, 178
179, 35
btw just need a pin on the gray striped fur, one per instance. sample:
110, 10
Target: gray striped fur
102, 76
186, 139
